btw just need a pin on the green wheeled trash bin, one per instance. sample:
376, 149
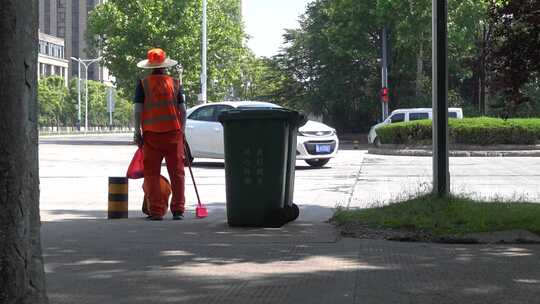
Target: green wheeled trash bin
258, 165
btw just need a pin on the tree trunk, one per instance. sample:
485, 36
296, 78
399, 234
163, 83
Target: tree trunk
420, 66
22, 278
482, 73
482, 82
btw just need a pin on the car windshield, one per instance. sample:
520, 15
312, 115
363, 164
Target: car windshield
259, 105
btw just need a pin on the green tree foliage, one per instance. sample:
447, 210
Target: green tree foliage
259, 79
123, 110
98, 115
58, 104
515, 58
333, 58
124, 30
53, 101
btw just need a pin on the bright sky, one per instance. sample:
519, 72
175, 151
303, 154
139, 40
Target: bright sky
266, 19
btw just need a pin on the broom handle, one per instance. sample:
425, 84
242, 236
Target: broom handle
191, 171
195, 185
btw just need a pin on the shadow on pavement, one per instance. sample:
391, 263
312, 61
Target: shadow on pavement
90, 259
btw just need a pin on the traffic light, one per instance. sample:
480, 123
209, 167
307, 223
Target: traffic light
384, 94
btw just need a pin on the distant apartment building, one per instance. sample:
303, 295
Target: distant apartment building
51, 57
67, 19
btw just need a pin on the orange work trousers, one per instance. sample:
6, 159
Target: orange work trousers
168, 145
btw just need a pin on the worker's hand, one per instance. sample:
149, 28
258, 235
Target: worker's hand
137, 138
188, 158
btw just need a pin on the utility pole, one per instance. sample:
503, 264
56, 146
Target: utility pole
441, 174
78, 94
384, 95
203, 55
110, 105
86, 63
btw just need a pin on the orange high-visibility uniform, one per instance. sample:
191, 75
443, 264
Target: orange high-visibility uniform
163, 138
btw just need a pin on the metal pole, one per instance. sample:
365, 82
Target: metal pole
86, 98
441, 175
385, 70
79, 96
109, 105
78, 92
203, 72
110, 120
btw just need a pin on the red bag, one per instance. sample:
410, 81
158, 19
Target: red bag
136, 167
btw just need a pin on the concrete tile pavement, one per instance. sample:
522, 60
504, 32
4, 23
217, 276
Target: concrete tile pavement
93, 260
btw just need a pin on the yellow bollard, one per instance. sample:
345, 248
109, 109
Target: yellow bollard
118, 197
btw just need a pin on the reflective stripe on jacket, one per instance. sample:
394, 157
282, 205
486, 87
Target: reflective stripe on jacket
160, 112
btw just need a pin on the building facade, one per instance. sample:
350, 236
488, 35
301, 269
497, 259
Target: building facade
67, 19
51, 57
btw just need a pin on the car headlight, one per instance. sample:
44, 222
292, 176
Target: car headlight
317, 133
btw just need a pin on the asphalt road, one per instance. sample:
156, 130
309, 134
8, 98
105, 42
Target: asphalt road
74, 175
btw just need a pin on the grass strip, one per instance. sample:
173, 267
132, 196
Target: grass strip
447, 216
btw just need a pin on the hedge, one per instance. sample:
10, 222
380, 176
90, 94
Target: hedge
470, 131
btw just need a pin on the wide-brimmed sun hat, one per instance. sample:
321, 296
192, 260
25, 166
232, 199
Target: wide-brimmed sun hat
156, 58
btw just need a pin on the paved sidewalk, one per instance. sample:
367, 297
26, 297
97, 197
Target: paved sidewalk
93, 260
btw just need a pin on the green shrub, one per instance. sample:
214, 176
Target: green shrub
533, 124
471, 131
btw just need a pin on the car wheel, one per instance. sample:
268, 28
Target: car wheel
317, 162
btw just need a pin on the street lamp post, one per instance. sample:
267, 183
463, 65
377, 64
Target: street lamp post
86, 63
203, 55
78, 94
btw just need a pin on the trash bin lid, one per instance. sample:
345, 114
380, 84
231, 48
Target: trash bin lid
257, 113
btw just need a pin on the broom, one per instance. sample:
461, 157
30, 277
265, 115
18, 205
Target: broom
200, 211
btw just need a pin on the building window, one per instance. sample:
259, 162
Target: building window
61, 18
47, 16
75, 29
42, 47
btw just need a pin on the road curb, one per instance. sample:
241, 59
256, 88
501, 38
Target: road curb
455, 153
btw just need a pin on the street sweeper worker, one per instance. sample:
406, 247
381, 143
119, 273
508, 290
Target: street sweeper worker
160, 119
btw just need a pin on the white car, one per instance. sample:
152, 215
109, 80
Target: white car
317, 143
400, 115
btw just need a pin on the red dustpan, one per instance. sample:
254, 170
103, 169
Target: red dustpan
200, 211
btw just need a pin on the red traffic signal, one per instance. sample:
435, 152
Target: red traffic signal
384, 94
